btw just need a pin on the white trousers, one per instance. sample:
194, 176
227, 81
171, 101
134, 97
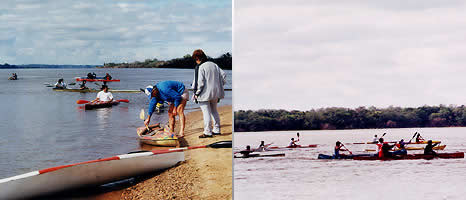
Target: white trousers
209, 111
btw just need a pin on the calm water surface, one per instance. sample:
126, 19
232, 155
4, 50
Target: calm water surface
299, 175
41, 128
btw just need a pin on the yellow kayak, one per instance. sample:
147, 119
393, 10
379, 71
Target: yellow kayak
441, 147
158, 136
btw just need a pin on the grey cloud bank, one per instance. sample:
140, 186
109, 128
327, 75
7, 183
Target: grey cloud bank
313, 54
94, 32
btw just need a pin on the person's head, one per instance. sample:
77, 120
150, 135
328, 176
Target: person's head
248, 148
402, 140
429, 142
199, 56
84, 81
381, 140
292, 139
60, 80
338, 143
105, 88
262, 142
151, 91
375, 135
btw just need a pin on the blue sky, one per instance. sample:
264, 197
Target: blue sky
304, 54
98, 31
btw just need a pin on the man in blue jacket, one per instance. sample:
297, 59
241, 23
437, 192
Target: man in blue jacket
175, 94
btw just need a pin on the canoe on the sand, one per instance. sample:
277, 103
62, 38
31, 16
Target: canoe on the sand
413, 156
86, 174
440, 147
90, 106
94, 90
158, 136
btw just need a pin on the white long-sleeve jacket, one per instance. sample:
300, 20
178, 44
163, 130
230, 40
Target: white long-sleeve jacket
211, 79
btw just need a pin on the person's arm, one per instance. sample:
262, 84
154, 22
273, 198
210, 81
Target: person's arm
200, 81
110, 96
223, 75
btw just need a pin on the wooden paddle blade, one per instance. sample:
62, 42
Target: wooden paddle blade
123, 100
221, 144
82, 101
141, 114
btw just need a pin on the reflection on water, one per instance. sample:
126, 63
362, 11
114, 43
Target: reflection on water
299, 175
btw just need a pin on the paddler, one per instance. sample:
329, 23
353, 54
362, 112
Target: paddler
338, 146
246, 152
429, 149
176, 95
402, 150
82, 86
60, 84
375, 139
384, 148
419, 138
293, 142
261, 146
104, 95
107, 77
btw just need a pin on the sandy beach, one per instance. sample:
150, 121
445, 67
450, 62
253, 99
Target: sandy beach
206, 173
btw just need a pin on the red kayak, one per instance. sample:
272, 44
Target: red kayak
93, 80
295, 147
413, 156
90, 106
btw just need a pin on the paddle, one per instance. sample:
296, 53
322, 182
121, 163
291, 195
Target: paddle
412, 137
84, 101
72, 84
141, 116
297, 134
346, 148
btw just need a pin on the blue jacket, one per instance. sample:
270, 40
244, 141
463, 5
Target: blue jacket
169, 91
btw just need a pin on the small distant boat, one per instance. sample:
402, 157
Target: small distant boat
96, 79
160, 137
256, 155
90, 106
94, 90
295, 147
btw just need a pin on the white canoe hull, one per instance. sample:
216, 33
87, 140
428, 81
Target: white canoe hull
87, 174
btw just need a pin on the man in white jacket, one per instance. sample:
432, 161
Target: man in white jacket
208, 90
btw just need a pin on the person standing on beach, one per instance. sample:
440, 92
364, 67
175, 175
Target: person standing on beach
208, 90
175, 94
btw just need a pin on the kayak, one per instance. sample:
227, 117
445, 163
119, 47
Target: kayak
413, 156
90, 106
87, 174
441, 147
256, 155
12, 78
295, 147
342, 156
159, 137
78, 79
94, 90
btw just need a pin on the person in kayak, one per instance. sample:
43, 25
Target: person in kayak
173, 92
429, 149
107, 77
384, 149
293, 142
419, 138
82, 86
60, 84
261, 146
401, 148
338, 146
375, 139
104, 95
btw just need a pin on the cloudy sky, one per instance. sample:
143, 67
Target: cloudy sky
316, 53
98, 31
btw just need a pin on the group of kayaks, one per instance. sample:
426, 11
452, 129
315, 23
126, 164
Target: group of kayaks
266, 150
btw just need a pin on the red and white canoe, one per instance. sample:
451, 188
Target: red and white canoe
87, 174
413, 156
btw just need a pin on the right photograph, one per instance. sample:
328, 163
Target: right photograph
349, 99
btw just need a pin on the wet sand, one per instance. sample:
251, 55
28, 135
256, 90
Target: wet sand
206, 173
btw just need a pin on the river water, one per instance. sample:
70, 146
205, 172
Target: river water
41, 128
299, 175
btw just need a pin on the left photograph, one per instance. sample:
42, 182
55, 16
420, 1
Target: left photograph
116, 100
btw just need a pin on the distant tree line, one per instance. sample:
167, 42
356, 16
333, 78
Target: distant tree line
224, 62
28, 66
345, 118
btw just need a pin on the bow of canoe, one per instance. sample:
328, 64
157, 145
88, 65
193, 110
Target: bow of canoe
160, 138
86, 174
